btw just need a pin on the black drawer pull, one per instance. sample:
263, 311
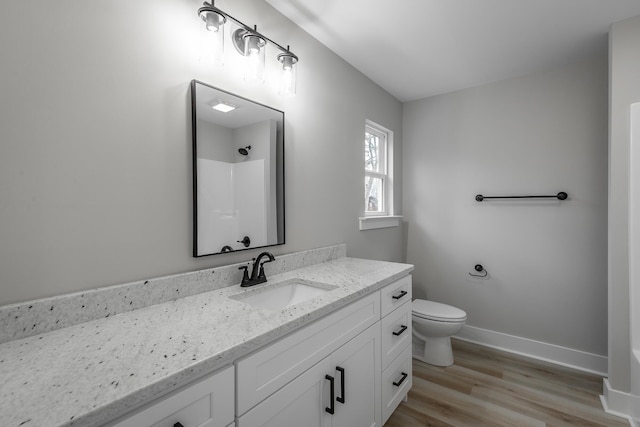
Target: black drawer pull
400, 295
402, 329
398, 383
341, 397
178, 425
331, 408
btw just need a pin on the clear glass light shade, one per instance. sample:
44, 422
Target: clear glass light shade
213, 21
212, 39
289, 74
254, 47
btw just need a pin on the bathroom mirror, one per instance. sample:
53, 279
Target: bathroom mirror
238, 172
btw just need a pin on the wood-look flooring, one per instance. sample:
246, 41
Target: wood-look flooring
487, 387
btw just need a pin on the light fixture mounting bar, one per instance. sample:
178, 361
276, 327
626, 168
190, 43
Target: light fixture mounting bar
210, 7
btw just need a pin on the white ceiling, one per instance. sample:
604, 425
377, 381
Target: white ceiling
246, 112
419, 48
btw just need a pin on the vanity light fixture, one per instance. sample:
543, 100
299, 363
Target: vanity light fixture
250, 44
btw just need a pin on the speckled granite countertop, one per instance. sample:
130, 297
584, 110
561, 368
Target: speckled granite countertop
93, 372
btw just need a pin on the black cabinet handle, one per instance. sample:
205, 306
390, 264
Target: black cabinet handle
178, 425
402, 329
400, 295
341, 397
398, 383
331, 407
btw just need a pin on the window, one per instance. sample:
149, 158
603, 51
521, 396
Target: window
375, 171
378, 178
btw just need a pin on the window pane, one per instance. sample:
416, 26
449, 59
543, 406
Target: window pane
373, 194
375, 170
371, 152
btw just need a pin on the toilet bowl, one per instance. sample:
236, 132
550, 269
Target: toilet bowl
433, 324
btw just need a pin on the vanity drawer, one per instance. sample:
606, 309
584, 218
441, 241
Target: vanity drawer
394, 295
396, 333
205, 403
396, 382
262, 373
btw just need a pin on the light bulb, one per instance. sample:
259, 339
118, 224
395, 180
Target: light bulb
254, 58
212, 22
289, 71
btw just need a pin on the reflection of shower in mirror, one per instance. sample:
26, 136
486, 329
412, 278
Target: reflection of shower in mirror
244, 151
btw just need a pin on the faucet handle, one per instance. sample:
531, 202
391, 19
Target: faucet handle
261, 274
245, 275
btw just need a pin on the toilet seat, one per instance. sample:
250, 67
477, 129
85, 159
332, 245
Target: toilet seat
432, 310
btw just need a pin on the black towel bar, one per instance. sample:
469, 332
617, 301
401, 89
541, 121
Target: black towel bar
560, 196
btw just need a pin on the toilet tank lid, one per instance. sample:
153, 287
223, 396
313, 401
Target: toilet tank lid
436, 310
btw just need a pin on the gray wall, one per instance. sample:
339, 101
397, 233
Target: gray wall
215, 142
538, 134
624, 63
95, 153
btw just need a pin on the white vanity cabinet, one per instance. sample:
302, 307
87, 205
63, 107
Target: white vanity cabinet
340, 390
207, 402
332, 365
351, 368
396, 344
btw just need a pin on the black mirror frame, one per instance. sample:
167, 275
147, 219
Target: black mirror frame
281, 218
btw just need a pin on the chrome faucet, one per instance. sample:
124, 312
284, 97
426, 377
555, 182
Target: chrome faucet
257, 271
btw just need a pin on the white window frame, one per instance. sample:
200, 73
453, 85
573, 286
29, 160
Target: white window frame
382, 174
385, 218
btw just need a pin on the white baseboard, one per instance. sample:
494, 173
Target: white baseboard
621, 404
559, 355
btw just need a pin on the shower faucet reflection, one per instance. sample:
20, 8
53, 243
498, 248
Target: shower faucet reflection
257, 271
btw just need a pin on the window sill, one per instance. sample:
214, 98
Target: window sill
373, 222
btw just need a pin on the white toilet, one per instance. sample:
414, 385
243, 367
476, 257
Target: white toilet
433, 325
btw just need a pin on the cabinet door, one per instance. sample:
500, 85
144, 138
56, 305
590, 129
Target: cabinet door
205, 403
270, 368
356, 367
302, 402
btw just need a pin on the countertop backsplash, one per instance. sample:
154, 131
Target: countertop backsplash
48, 314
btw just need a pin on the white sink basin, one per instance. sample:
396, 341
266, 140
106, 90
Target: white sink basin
279, 296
